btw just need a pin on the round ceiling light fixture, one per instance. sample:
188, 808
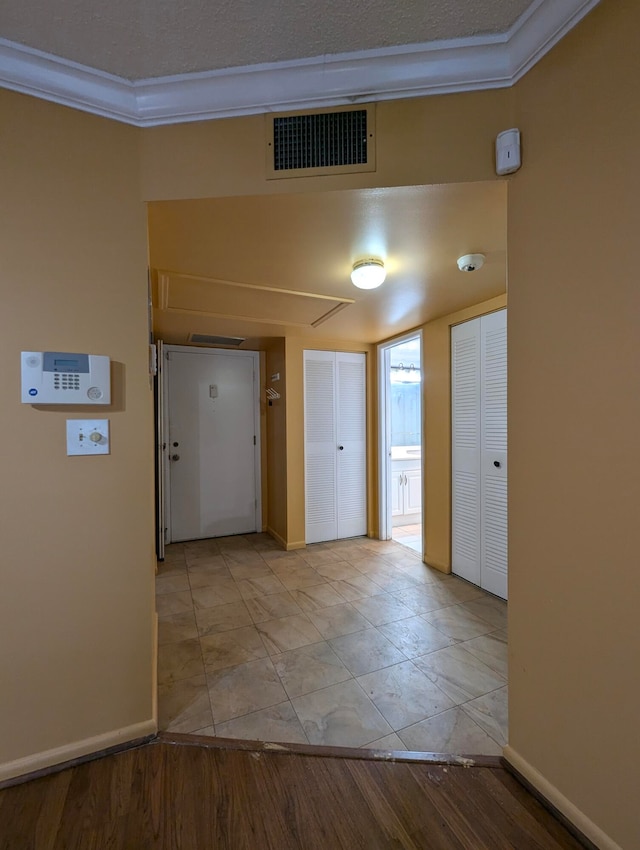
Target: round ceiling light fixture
471, 262
368, 274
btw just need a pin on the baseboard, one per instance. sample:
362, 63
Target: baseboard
77, 749
437, 565
288, 547
556, 800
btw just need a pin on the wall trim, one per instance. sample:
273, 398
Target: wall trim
556, 798
77, 749
415, 70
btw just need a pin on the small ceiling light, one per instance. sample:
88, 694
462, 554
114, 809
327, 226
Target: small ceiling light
368, 274
471, 262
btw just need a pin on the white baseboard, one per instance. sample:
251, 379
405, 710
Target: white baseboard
77, 749
557, 799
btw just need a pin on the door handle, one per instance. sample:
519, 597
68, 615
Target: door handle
405, 480
400, 480
341, 448
175, 457
496, 463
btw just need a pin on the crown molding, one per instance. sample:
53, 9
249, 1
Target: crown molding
461, 65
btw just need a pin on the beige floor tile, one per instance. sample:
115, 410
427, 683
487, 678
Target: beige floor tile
338, 571
420, 599
459, 674
316, 597
207, 562
219, 592
366, 651
355, 588
288, 633
452, 732
278, 557
182, 660
252, 570
338, 620
392, 743
173, 583
491, 713
173, 603
243, 689
453, 590
393, 582
278, 723
383, 608
341, 715
316, 557
403, 694
491, 649
177, 627
489, 608
259, 586
208, 576
457, 623
414, 636
422, 573
222, 618
208, 730
272, 607
175, 567
228, 649
296, 578
183, 706
309, 668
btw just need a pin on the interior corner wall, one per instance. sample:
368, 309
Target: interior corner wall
277, 443
436, 437
574, 421
76, 604
294, 348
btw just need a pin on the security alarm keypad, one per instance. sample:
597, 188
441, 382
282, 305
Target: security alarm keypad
56, 377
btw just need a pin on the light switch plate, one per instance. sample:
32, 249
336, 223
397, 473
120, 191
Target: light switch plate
88, 437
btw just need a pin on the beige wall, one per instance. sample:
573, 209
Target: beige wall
295, 347
76, 574
436, 399
445, 139
574, 422
277, 444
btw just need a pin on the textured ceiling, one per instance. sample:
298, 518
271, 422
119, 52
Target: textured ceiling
137, 39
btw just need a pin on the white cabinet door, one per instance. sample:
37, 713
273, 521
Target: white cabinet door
335, 445
479, 451
413, 491
397, 491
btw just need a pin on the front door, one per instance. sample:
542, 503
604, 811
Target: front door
212, 444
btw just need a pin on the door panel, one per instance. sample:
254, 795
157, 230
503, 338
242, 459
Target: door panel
351, 424
320, 446
211, 444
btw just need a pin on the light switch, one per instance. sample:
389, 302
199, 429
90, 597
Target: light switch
88, 437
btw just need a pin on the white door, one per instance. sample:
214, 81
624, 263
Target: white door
479, 451
335, 445
212, 442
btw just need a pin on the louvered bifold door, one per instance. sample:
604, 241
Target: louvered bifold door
465, 450
320, 446
351, 425
493, 558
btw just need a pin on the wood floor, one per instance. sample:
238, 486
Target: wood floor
176, 795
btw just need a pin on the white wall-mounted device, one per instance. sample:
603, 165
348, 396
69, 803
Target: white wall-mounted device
55, 377
508, 151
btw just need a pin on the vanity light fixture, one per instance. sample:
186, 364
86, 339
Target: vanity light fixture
368, 274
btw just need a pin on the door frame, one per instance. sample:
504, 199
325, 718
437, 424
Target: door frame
164, 472
384, 433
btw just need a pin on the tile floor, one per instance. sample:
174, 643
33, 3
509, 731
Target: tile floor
353, 643
409, 535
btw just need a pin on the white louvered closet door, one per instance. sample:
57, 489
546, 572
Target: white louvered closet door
352, 435
465, 450
479, 451
493, 359
334, 417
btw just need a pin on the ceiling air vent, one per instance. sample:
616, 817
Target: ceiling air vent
330, 142
208, 339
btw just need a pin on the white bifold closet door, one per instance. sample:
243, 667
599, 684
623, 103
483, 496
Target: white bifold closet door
479, 451
335, 445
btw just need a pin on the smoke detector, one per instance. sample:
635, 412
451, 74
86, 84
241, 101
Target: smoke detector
470, 262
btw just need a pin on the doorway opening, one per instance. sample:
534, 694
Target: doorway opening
400, 365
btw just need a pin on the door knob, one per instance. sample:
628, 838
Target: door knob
341, 448
496, 463
175, 457
175, 445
